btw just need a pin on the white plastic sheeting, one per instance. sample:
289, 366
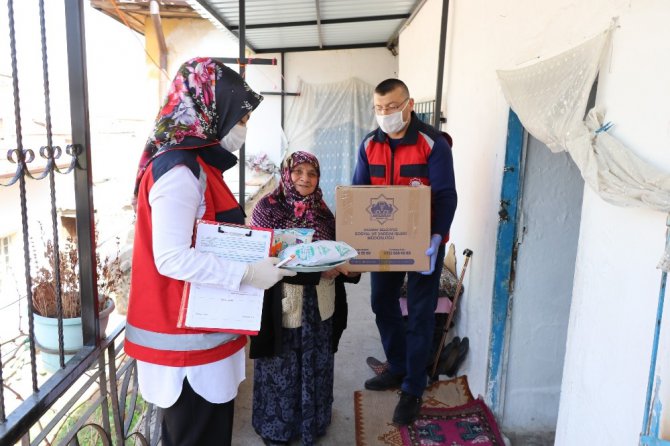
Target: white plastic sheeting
330, 121
550, 99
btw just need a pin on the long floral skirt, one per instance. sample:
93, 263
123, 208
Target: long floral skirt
293, 393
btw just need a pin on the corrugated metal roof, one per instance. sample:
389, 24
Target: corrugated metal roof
296, 25
331, 9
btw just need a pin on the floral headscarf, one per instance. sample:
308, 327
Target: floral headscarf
286, 208
206, 99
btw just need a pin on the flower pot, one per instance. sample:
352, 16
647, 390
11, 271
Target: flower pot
103, 317
46, 336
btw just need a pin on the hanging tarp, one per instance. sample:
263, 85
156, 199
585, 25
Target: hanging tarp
330, 121
550, 99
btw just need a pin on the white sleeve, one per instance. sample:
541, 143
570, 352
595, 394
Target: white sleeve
176, 200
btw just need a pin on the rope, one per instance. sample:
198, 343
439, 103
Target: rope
605, 127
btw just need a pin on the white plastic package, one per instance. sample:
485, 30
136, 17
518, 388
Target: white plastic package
322, 252
283, 238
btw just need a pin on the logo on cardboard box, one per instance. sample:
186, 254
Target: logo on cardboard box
381, 209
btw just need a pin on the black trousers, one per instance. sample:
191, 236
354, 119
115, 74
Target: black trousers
194, 421
407, 345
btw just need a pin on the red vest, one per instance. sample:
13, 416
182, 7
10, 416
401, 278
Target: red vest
153, 308
405, 166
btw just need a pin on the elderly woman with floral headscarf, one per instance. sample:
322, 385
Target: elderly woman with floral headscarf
303, 318
192, 374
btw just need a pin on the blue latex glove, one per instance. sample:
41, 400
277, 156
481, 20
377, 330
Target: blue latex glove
431, 252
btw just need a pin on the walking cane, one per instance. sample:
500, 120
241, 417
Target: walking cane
467, 253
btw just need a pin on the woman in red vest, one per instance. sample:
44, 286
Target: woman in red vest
192, 374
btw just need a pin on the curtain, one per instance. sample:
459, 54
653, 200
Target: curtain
330, 121
550, 99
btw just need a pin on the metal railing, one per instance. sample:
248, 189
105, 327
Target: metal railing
103, 405
95, 392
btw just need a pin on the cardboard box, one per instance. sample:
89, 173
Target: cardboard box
389, 226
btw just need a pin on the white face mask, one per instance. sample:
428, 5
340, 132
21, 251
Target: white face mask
235, 138
392, 123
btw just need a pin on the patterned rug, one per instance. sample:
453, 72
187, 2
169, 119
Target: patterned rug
470, 424
374, 410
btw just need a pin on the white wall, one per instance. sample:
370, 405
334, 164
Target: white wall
371, 65
419, 46
616, 283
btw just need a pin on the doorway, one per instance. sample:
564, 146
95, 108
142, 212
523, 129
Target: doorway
540, 214
546, 248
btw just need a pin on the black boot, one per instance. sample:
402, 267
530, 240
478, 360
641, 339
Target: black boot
455, 360
407, 409
384, 381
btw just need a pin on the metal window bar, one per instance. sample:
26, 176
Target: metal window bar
52, 184
21, 161
16, 425
425, 111
22, 158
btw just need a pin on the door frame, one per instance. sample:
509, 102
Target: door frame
506, 250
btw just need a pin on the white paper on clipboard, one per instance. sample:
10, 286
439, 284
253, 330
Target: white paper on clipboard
216, 308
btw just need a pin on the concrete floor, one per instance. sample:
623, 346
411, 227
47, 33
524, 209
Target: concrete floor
360, 340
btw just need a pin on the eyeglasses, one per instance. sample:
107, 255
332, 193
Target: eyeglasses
392, 108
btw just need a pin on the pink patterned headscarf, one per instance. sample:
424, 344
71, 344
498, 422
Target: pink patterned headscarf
286, 208
206, 99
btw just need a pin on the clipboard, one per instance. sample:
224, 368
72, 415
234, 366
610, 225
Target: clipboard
214, 308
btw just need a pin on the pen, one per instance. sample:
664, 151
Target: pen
285, 261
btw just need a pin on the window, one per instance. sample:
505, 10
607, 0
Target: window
424, 111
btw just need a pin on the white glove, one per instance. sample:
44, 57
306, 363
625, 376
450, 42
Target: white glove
263, 274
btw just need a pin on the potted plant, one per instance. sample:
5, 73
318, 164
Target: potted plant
45, 300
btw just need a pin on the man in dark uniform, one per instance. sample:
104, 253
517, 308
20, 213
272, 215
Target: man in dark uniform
405, 151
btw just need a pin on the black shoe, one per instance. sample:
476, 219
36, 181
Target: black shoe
462, 351
384, 381
407, 409
444, 359
451, 358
